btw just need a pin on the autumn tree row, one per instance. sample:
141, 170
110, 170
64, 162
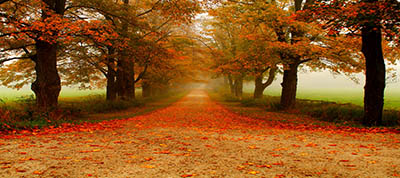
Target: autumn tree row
94, 43
261, 38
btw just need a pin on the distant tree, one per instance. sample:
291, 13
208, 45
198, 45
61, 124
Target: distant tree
271, 36
92, 38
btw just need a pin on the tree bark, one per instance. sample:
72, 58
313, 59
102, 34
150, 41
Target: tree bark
375, 75
111, 93
125, 70
120, 80
260, 86
289, 87
146, 89
238, 87
131, 80
231, 85
111, 88
47, 85
289, 83
125, 79
258, 90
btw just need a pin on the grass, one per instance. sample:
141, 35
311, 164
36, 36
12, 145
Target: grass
21, 114
346, 114
353, 96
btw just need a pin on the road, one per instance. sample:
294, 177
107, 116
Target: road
197, 137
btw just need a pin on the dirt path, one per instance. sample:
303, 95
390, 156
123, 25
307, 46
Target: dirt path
197, 137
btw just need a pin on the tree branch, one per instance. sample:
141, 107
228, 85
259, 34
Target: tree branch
150, 10
304, 61
271, 77
14, 58
142, 73
3, 1
19, 47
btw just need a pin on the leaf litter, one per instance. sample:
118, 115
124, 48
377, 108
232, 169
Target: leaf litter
197, 137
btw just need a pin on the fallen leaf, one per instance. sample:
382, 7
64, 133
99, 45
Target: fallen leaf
20, 170
350, 165
265, 165
240, 167
278, 163
253, 172
252, 147
37, 172
163, 152
311, 145
149, 166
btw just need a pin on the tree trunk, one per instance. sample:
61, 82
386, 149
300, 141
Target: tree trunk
258, 90
238, 87
125, 70
289, 87
375, 76
47, 85
260, 86
125, 79
231, 85
120, 80
111, 89
111, 83
146, 89
131, 80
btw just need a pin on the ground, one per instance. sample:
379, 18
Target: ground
197, 137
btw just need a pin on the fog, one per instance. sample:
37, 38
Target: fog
319, 83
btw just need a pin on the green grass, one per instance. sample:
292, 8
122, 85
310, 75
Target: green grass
21, 113
343, 96
10, 95
353, 96
343, 114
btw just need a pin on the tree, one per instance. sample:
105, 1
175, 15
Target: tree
39, 36
272, 36
225, 32
93, 38
38, 30
371, 19
296, 42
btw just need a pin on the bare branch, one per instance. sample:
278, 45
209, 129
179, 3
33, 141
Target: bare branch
15, 48
150, 10
2, 61
142, 73
304, 61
